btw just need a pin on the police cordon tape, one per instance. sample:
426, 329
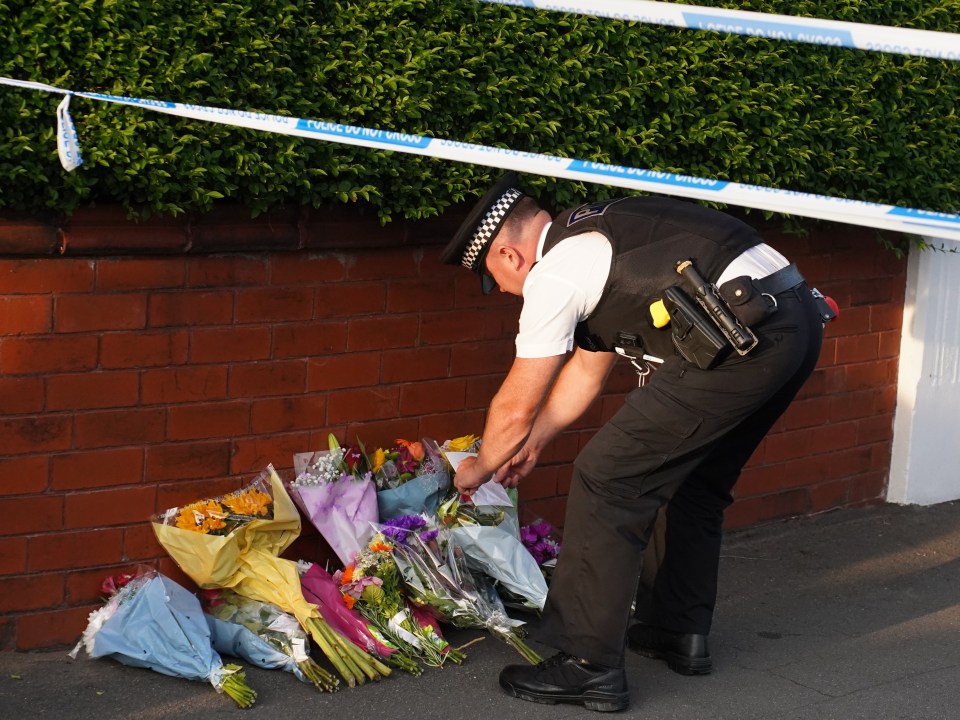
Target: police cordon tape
832, 33
856, 212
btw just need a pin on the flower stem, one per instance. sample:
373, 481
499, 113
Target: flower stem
317, 629
455, 655
404, 662
378, 668
318, 676
235, 686
525, 650
359, 672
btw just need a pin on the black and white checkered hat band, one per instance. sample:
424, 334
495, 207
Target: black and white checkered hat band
489, 226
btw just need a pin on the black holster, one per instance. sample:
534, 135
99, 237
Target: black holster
695, 336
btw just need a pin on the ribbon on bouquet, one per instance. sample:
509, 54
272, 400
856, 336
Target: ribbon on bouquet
402, 632
856, 212
832, 33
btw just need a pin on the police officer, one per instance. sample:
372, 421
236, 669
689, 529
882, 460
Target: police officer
593, 282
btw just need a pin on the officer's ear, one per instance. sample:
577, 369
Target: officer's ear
511, 256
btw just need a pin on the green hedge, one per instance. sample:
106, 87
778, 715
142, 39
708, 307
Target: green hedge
841, 122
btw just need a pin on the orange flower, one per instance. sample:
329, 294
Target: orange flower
378, 546
347, 577
415, 448
349, 600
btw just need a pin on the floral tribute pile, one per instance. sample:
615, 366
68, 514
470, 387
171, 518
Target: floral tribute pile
414, 556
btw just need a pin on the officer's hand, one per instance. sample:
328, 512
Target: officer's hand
468, 476
518, 468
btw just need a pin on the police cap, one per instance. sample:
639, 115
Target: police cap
471, 242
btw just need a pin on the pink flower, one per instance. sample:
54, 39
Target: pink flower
211, 598
355, 588
112, 584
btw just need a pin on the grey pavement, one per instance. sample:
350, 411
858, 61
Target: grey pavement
850, 614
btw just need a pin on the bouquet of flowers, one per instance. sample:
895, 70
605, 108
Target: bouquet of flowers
235, 542
372, 585
322, 590
152, 622
493, 508
411, 478
263, 635
487, 532
436, 576
334, 489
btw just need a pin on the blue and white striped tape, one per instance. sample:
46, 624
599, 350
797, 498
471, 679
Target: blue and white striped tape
68, 145
835, 33
856, 212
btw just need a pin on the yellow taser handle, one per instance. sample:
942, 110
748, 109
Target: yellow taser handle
658, 311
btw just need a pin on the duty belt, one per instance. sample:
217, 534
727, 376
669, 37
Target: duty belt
775, 283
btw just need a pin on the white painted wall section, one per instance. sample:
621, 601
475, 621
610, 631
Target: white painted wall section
925, 466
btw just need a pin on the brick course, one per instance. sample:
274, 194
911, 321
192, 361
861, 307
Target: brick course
138, 372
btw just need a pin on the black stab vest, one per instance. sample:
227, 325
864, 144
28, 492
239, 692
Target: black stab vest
649, 236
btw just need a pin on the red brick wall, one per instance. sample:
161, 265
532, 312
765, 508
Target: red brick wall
144, 366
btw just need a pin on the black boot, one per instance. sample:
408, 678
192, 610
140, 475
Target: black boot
685, 653
567, 679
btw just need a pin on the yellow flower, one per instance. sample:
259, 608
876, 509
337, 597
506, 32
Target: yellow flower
212, 524
203, 516
250, 501
379, 458
460, 444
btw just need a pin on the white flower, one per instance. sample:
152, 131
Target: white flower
323, 468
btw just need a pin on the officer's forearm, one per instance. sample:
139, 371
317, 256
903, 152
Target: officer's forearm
505, 433
514, 409
578, 385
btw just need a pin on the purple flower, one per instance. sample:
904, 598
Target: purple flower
536, 538
543, 551
398, 529
541, 529
428, 535
405, 461
540, 546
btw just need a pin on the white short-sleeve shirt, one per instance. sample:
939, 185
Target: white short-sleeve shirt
562, 289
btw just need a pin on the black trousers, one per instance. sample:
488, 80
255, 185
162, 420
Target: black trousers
684, 438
